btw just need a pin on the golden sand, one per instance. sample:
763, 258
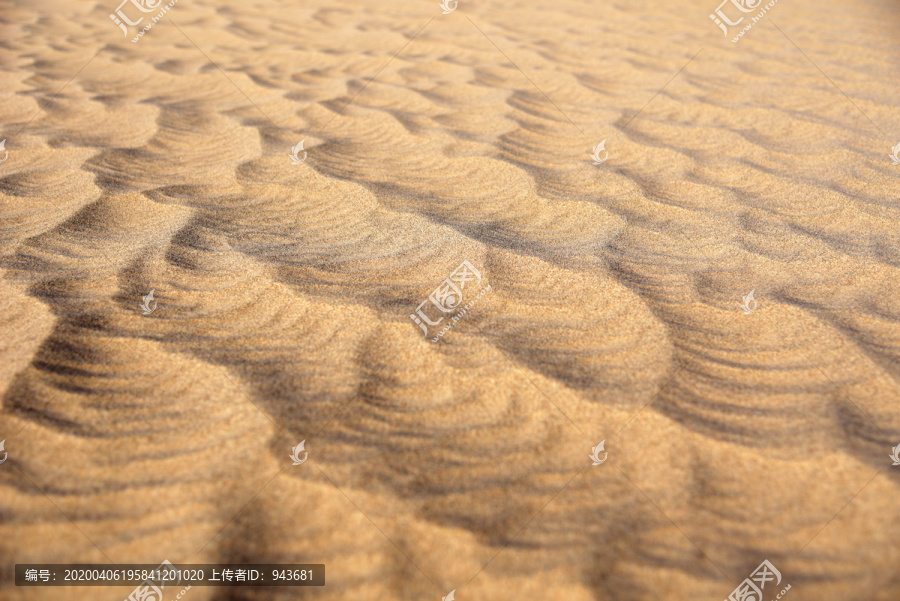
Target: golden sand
283, 294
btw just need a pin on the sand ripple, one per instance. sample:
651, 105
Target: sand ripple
283, 294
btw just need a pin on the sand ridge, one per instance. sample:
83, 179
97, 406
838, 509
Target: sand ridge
284, 295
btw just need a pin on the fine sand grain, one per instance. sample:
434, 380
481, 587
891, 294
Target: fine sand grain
283, 296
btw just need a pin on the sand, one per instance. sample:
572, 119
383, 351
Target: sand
607, 304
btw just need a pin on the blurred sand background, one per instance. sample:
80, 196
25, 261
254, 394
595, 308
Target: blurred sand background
284, 294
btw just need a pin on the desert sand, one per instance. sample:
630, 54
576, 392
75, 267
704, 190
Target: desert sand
615, 303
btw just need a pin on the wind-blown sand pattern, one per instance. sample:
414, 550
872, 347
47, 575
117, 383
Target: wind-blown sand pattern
284, 295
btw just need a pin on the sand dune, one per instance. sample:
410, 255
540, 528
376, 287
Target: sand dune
607, 304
